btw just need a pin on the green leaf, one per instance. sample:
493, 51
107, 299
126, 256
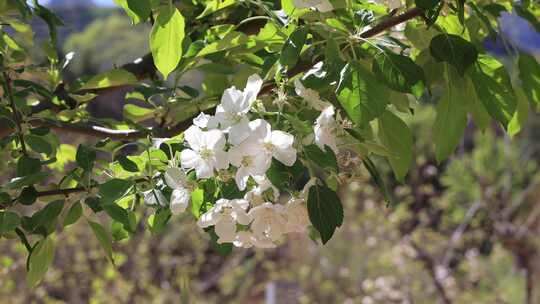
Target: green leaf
27, 165
73, 214
292, 47
39, 261
44, 221
522, 112
361, 95
377, 179
112, 78
399, 73
284, 177
38, 144
118, 232
120, 215
324, 159
397, 137
455, 50
85, 157
8, 222
137, 113
137, 10
325, 211
114, 189
492, 86
231, 40
103, 237
127, 164
451, 118
529, 73
426, 4
28, 195
158, 221
214, 6
166, 39
197, 200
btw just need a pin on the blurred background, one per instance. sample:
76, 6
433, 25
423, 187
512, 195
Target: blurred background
465, 231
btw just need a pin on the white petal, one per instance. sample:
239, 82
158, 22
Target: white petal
210, 218
324, 6
175, 178
201, 120
239, 132
253, 87
243, 239
282, 140
225, 228
194, 137
221, 159
213, 139
260, 128
232, 100
179, 200
189, 159
204, 169
286, 156
241, 178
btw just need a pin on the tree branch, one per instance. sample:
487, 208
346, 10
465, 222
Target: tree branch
145, 68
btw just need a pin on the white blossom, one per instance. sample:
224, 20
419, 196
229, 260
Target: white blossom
322, 6
254, 155
224, 216
176, 179
297, 216
206, 153
325, 130
268, 221
202, 120
311, 96
235, 104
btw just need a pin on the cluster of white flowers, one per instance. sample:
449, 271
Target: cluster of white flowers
227, 141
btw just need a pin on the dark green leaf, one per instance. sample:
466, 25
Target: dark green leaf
28, 195
127, 164
377, 179
114, 190
399, 73
27, 165
324, 159
20, 182
39, 144
120, 215
427, 4
325, 211
292, 47
455, 50
85, 157
282, 176
8, 222
73, 214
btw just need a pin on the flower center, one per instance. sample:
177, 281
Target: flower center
246, 161
269, 146
206, 153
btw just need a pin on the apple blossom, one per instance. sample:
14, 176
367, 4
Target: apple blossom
224, 216
277, 144
311, 96
297, 216
206, 153
268, 221
246, 239
325, 130
230, 114
176, 179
